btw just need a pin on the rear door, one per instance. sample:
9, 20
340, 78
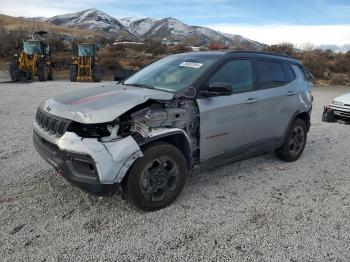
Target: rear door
229, 123
276, 82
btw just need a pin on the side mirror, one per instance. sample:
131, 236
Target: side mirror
219, 89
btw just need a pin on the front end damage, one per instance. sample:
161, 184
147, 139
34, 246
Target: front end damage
96, 157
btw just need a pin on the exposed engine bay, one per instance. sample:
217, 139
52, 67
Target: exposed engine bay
142, 121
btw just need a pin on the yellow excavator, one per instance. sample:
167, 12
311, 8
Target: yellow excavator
85, 67
34, 60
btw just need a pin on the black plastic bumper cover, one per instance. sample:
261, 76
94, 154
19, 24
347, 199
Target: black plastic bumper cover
65, 163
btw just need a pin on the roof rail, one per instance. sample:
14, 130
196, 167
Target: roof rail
262, 53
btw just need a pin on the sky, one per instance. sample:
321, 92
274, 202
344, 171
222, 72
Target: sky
301, 22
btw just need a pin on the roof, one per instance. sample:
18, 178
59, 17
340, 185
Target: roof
262, 54
246, 54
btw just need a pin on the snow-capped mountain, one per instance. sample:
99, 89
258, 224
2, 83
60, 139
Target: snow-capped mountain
176, 30
89, 19
138, 26
149, 28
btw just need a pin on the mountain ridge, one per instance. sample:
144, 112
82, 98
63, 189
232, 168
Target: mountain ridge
146, 28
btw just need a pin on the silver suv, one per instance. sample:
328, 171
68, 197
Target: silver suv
145, 134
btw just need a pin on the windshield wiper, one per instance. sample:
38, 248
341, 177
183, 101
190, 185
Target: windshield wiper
140, 85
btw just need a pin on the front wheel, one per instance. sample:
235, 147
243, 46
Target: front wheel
156, 179
294, 143
96, 73
14, 71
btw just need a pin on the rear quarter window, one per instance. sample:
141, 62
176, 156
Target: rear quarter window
270, 74
306, 73
290, 74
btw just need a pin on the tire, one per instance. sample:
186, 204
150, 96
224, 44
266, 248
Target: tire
50, 75
14, 71
96, 73
294, 143
73, 72
150, 185
42, 72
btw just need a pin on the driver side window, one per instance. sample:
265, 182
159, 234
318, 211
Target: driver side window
237, 73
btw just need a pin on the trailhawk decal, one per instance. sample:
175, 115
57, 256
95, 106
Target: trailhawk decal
89, 98
217, 135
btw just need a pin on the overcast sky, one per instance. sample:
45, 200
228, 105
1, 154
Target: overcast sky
269, 21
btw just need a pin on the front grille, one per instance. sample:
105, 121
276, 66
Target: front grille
342, 113
53, 124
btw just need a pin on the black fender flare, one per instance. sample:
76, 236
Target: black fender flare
174, 136
292, 119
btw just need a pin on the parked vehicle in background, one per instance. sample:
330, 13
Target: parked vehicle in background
85, 66
339, 109
145, 134
34, 60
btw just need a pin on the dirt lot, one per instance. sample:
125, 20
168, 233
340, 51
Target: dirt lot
260, 209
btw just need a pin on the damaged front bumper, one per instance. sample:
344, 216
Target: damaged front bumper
86, 162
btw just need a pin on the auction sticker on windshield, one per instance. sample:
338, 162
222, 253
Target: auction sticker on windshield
192, 65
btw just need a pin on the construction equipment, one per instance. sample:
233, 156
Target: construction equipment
34, 60
85, 67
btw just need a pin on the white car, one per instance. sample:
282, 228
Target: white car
340, 108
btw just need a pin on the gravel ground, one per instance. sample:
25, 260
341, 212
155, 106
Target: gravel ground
260, 209
4, 76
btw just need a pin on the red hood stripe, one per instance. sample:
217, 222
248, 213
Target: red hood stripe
89, 98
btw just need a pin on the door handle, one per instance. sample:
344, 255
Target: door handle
291, 93
251, 101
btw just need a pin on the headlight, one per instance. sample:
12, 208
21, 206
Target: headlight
336, 103
89, 130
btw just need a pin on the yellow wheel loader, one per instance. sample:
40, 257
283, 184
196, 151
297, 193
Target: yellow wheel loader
85, 67
34, 60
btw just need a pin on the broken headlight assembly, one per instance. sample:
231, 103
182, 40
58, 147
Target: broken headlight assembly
89, 130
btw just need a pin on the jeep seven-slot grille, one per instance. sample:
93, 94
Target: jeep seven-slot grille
53, 124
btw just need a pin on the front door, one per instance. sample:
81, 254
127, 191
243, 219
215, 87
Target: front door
229, 123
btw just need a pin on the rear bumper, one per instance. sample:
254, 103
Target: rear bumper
91, 165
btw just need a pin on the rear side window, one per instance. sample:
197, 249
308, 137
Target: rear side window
270, 74
238, 73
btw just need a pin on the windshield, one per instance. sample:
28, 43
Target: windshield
172, 73
85, 50
31, 47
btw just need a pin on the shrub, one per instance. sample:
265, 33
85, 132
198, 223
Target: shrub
339, 79
284, 48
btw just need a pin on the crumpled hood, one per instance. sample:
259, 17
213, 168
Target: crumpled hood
345, 99
100, 104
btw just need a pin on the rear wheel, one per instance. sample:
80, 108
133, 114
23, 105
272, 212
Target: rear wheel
294, 143
14, 71
50, 75
96, 73
156, 179
73, 71
42, 72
